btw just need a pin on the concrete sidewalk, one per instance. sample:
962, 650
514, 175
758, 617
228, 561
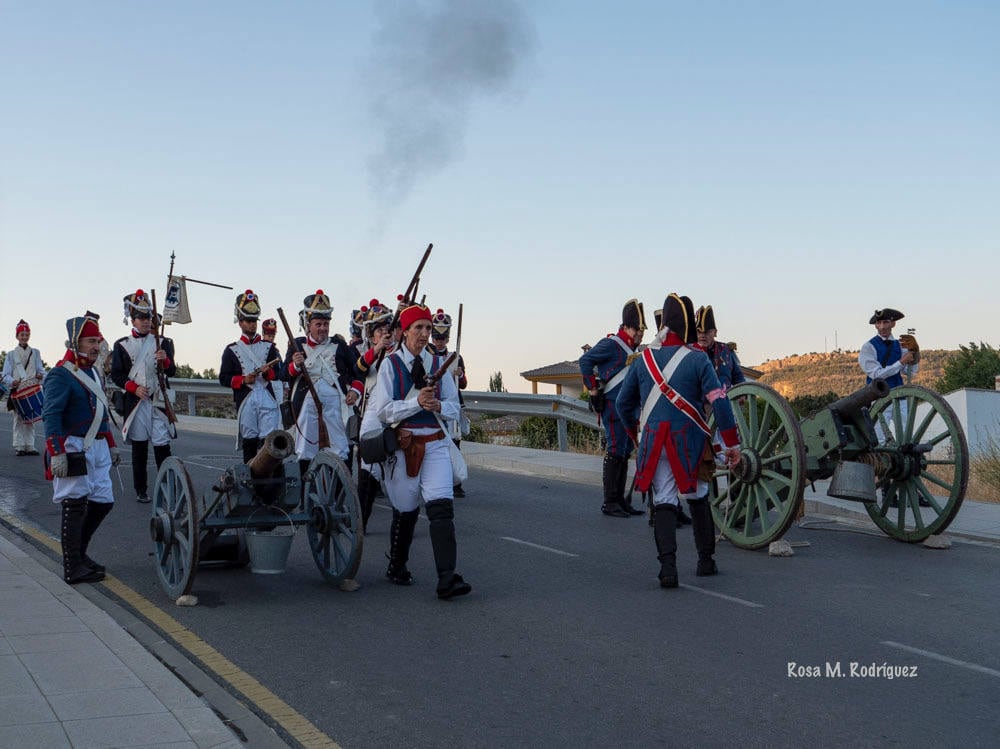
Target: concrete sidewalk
70, 676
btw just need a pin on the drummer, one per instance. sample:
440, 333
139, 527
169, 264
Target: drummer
23, 372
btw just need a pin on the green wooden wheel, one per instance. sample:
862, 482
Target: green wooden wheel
174, 529
756, 503
335, 533
922, 455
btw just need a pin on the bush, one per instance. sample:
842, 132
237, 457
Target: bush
806, 405
542, 433
985, 470
971, 366
477, 434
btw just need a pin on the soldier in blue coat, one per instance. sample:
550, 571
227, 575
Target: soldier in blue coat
79, 447
603, 367
662, 395
723, 358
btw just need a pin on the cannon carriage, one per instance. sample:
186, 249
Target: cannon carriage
901, 453
267, 495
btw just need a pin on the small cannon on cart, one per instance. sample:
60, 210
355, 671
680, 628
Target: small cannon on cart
264, 495
900, 452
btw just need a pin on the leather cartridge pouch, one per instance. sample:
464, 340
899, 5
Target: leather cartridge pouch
76, 464
707, 465
413, 447
378, 446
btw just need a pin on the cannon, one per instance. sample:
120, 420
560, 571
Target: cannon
901, 453
267, 493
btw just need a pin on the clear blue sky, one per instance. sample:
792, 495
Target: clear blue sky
793, 164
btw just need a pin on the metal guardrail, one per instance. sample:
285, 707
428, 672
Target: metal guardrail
562, 408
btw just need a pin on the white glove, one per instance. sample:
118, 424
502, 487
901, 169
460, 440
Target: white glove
59, 465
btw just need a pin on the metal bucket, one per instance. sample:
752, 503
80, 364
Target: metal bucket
269, 549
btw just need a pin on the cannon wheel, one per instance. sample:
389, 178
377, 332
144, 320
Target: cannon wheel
758, 502
919, 416
174, 528
334, 528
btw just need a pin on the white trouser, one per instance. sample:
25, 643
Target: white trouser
432, 483
307, 425
148, 424
24, 434
96, 485
259, 415
664, 486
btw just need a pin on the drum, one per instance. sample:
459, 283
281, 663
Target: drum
28, 403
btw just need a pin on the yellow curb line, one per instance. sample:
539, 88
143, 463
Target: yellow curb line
293, 722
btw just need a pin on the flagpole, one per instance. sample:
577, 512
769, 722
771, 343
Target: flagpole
207, 283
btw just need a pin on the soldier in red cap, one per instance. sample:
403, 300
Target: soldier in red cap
134, 362
421, 468
80, 448
23, 371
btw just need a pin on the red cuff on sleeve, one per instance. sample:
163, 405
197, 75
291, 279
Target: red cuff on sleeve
271, 374
55, 445
166, 363
131, 386
292, 370
731, 437
359, 386
237, 382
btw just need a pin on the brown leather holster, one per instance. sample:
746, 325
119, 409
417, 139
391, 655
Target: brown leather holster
413, 447
707, 465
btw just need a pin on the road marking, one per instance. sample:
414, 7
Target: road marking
723, 596
943, 658
538, 546
296, 724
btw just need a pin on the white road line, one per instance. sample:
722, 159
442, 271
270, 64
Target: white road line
943, 658
538, 546
723, 596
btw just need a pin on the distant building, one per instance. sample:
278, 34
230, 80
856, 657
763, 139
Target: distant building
565, 376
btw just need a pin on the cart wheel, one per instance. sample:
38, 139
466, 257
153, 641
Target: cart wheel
334, 527
923, 455
755, 504
174, 528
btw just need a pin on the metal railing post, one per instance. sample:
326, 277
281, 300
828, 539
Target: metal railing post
191, 399
563, 434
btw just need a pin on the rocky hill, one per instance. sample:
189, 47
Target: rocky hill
818, 374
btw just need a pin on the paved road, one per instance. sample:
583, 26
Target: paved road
567, 640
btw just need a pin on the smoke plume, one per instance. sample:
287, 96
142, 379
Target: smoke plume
430, 63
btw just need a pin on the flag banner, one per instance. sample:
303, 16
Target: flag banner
175, 307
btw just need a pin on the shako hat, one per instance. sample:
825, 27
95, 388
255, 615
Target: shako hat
678, 316
247, 306
81, 327
21, 326
316, 305
413, 313
357, 320
633, 315
705, 319
441, 324
376, 314
270, 325
137, 305
886, 314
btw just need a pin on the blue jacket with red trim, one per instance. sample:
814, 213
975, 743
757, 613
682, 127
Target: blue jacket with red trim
668, 426
610, 356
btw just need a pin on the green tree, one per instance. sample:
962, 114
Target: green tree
807, 405
209, 374
186, 372
971, 366
496, 383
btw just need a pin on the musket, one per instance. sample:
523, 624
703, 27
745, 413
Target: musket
432, 379
324, 436
408, 296
458, 338
161, 377
264, 367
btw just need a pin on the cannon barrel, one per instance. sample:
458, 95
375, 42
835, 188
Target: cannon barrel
277, 446
853, 403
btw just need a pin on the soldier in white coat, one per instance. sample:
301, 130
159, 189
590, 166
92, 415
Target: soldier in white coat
22, 371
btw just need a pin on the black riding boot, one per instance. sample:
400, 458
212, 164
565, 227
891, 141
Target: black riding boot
96, 512
665, 535
75, 570
622, 478
250, 447
400, 538
367, 489
611, 504
160, 454
704, 536
140, 482
441, 515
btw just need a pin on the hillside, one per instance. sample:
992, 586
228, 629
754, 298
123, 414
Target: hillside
818, 374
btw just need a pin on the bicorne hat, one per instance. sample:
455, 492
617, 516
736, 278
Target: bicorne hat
705, 319
81, 327
679, 317
633, 315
